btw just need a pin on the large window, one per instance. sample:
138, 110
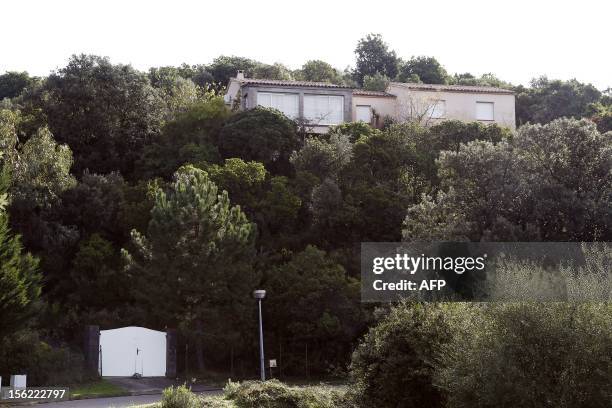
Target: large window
324, 109
484, 111
286, 103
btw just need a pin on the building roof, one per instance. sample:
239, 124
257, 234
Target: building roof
453, 88
363, 92
276, 82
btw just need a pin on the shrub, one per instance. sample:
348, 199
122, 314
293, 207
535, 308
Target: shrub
274, 394
394, 364
531, 354
180, 397
24, 353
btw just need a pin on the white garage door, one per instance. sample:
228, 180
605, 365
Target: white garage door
132, 350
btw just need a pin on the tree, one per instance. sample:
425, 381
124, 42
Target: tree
376, 82
547, 100
20, 281
225, 67
269, 201
40, 174
602, 116
426, 69
106, 113
179, 94
319, 71
193, 264
93, 206
482, 197
381, 177
323, 158
488, 79
374, 56
98, 282
274, 71
12, 84
312, 301
260, 134
549, 182
191, 137
567, 164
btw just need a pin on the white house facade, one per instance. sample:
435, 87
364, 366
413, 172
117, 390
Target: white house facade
322, 105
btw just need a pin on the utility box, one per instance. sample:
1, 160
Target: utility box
18, 381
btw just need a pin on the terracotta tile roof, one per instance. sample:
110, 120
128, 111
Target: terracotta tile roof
453, 88
276, 82
363, 92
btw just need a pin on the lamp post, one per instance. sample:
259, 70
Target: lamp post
259, 295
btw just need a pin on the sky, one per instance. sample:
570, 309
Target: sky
516, 40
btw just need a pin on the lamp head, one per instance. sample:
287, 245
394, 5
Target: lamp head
259, 294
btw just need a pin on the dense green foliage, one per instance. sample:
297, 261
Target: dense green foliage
12, 84
274, 394
546, 100
394, 365
195, 255
117, 113
422, 69
207, 204
486, 355
374, 56
550, 183
179, 397
525, 354
319, 71
260, 134
19, 281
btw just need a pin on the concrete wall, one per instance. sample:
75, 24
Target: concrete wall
459, 105
381, 106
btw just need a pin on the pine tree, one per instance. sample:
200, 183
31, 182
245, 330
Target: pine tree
20, 282
194, 264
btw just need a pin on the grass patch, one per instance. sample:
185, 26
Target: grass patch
96, 389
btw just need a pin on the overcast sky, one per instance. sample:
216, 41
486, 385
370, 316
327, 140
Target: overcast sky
514, 39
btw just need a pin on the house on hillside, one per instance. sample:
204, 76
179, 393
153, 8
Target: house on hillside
322, 104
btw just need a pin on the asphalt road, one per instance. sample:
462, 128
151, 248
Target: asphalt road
118, 402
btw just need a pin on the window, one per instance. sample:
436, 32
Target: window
363, 113
324, 109
484, 111
286, 103
438, 110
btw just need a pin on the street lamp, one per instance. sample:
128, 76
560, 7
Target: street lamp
259, 295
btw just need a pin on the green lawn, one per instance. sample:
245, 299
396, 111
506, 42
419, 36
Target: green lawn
96, 389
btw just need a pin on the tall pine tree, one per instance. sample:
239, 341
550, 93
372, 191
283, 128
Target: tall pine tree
20, 282
193, 267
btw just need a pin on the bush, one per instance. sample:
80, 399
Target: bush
394, 364
531, 354
274, 394
25, 353
180, 397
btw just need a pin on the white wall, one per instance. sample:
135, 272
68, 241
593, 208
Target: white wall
382, 105
120, 359
459, 105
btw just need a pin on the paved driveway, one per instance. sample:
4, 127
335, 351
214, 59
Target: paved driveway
118, 402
